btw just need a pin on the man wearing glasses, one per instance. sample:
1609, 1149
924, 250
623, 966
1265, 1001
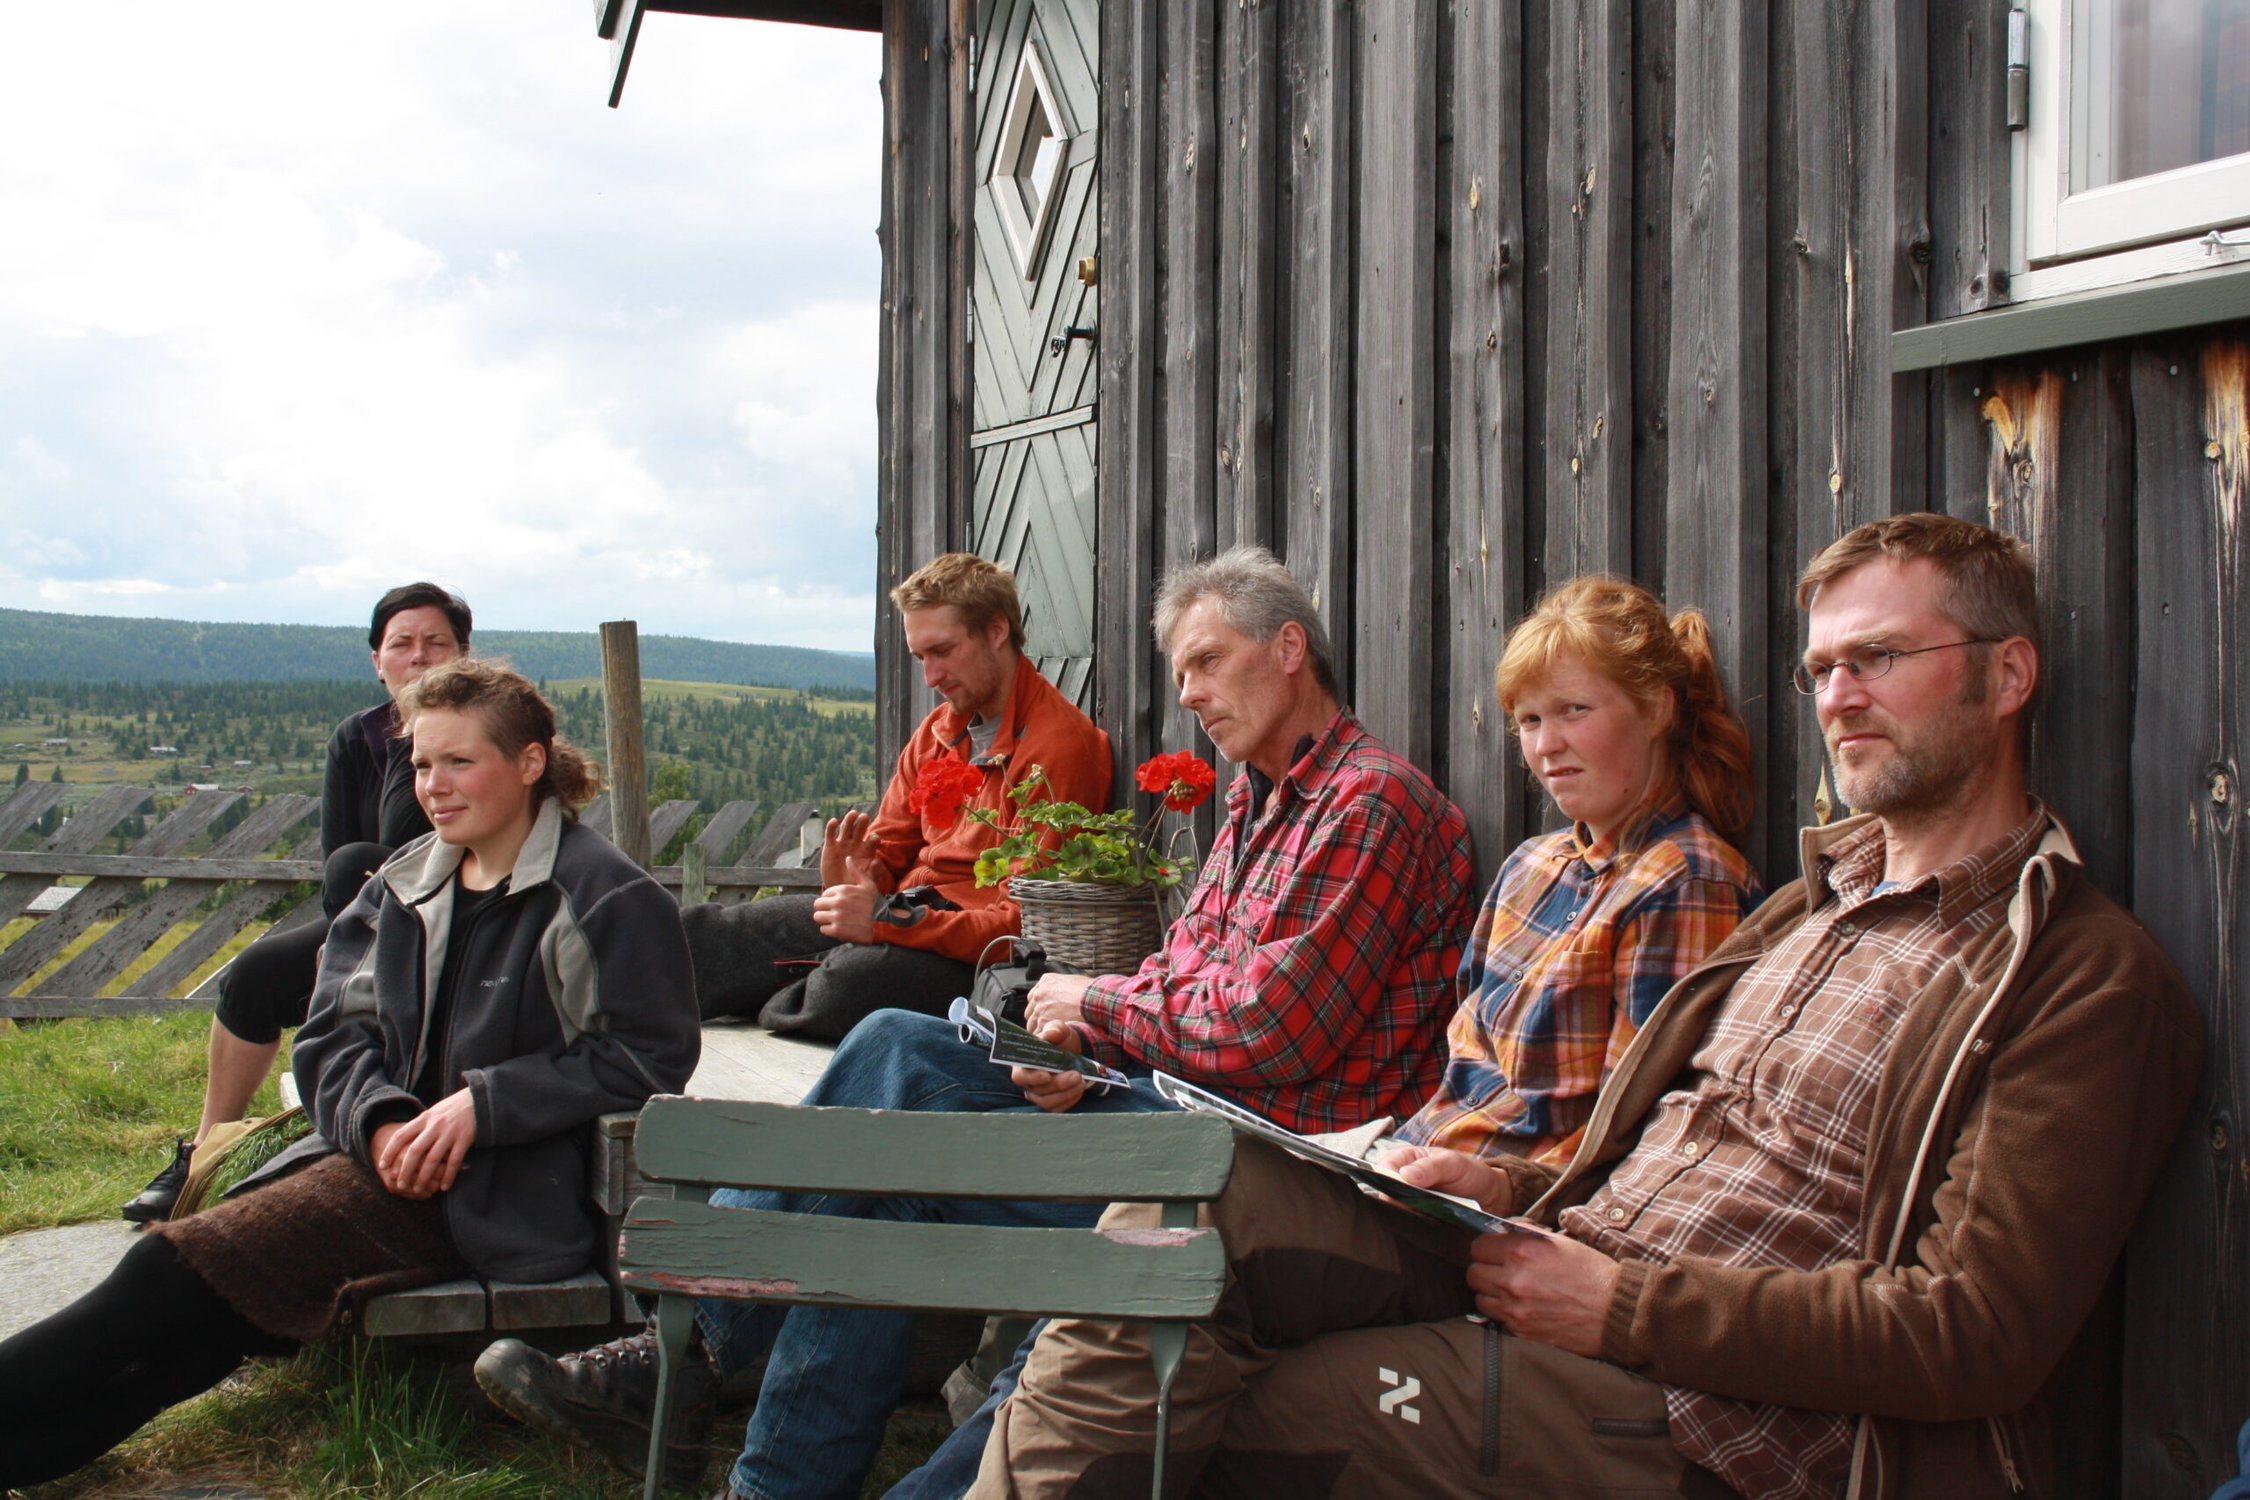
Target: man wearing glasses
1839, 1211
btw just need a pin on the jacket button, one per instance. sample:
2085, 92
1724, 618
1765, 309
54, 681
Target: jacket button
1617, 1216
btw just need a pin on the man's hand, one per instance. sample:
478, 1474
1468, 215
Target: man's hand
1056, 1093
1550, 1290
1456, 1172
846, 910
1055, 999
849, 837
420, 1157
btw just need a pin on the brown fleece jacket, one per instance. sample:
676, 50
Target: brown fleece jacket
2033, 1093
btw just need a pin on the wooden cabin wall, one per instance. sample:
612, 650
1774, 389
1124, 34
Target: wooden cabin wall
1449, 300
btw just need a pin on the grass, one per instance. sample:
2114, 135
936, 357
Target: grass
92, 1107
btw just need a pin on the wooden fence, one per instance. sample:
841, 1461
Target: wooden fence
229, 883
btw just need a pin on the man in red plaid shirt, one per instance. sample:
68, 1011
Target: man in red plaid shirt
1311, 978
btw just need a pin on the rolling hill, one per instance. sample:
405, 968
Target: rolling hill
35, 646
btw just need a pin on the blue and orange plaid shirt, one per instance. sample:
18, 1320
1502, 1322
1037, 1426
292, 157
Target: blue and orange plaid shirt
1574, 947
1311, 976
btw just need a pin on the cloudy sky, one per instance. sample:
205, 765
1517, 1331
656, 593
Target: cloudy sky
298, 301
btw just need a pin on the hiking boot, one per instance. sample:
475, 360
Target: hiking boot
163, 1190
601, 1399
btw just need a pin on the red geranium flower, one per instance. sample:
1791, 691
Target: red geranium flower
941, 785
1182, 778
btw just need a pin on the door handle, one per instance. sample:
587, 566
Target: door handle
1061, 341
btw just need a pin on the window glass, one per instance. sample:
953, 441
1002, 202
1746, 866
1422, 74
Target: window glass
2178, 87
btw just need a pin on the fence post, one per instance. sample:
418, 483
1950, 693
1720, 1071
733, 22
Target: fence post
628, 766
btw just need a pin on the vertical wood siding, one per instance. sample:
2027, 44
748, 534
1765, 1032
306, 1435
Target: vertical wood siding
1449, 300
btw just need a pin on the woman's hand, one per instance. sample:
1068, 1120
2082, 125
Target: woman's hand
419, 1158
1455, 1172
1056, 1093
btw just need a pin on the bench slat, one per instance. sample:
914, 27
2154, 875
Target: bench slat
448, 1307
1065, 1158
584, 1298
695, 1249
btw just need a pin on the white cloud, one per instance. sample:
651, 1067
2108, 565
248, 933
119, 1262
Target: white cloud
319, 301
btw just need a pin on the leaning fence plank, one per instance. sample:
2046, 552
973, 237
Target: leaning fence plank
85, 829
29, 803
667, 821
780, 834
241, 909
31, 952
116, 949
595, 815
725, 830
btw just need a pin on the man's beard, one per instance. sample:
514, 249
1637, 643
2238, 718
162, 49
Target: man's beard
1921, 777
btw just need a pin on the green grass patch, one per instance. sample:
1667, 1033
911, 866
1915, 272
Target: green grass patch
93, 1109
388, 1421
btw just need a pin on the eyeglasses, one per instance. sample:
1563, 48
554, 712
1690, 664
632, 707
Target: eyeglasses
1864, 664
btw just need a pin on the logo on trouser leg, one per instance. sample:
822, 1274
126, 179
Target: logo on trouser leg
1404, 1388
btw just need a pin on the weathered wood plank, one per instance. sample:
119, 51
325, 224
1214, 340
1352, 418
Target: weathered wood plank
1587, 290
1486, 546
724, 831
172, 970
1127, 678
574, 1300
98, 898
1316, 383
114, 952
131, 867
2188, 1263
622, 718
1654, 110
1069, 1158
1248, 164
448, 1307
665, 823
1394, 461
85, 829
782, 835
1715, 508
696, 1249
26, 805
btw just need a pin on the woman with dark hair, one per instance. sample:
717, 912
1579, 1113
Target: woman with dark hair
497, 985
367, 809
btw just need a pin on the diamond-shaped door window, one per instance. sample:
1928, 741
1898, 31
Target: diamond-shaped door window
1027, 169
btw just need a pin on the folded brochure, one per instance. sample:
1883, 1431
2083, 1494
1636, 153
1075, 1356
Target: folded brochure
1371, 1178
1013, 1047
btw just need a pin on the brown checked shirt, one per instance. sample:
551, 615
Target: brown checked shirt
1759, 1158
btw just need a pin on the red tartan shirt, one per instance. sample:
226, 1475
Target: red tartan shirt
1311, 976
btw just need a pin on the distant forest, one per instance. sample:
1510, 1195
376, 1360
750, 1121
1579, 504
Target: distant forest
39, 647
713, 744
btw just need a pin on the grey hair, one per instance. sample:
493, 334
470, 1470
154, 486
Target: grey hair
1255, 594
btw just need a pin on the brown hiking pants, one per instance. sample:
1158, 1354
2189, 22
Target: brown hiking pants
1341, 1362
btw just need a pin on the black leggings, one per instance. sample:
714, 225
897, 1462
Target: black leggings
75, 1385
269, 984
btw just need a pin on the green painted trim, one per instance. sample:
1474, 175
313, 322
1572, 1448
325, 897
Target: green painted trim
834, 1261
2185, 300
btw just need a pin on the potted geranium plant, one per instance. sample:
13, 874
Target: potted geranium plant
1088, 881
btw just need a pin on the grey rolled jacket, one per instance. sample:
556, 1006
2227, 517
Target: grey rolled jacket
576, 999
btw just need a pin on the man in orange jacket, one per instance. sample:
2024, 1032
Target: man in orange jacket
900, 920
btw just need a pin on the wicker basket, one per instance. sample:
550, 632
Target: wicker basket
1100, 929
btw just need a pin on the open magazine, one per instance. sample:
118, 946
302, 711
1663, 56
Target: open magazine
1371, 1176
1011, 1046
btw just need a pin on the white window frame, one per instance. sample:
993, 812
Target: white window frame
1028, 231
2065, 240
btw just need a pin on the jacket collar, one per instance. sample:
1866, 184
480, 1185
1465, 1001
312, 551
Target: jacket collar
422, 868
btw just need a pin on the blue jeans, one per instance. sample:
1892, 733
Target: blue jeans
834, 1374
947, 1473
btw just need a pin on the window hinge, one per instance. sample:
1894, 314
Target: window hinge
2019, 69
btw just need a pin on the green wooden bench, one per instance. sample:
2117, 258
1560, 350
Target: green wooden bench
678, 1249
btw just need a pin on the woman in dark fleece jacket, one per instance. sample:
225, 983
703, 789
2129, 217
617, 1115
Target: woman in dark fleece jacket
498, 985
